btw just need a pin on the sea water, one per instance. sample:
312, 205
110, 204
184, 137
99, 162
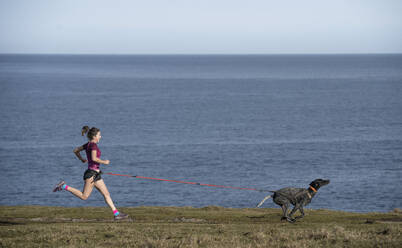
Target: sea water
265, 122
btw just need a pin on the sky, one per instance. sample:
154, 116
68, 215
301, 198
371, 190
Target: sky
200, 26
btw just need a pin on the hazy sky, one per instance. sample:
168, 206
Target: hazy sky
200, 26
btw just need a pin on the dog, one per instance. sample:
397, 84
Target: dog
298, 197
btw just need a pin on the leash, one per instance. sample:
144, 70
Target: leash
193, 183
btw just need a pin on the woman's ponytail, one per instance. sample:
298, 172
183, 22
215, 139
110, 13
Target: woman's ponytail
84, 130
91, 133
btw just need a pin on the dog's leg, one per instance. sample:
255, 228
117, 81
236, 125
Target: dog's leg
296, 207
263, 200
285, 211
302, 213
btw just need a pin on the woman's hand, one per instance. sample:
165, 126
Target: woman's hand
98, 160
84, 161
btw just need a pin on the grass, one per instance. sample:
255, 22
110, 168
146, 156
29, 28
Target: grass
35, 226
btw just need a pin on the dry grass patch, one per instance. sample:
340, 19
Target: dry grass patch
27, 226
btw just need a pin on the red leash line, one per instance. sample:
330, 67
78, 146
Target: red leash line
193, 183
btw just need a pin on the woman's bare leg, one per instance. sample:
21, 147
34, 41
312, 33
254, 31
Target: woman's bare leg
101, 186
88, 187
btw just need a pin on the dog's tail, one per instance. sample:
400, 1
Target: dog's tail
263, 200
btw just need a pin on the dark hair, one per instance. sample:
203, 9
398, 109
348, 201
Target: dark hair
91, 133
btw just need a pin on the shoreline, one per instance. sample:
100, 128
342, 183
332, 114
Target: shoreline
395, 210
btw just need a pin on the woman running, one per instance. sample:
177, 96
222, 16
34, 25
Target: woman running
92, 175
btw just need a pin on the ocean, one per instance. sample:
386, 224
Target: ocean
255, 121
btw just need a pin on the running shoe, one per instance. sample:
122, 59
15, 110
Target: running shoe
59, 186
121, 216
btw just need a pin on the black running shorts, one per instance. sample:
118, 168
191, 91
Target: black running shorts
91, 173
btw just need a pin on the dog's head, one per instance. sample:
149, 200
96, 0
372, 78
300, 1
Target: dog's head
317, 183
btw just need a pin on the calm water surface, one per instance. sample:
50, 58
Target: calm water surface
248, 121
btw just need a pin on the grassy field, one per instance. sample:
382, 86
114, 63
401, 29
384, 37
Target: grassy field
34, 226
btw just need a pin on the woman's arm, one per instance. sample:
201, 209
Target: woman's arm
96, 159
77, 153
